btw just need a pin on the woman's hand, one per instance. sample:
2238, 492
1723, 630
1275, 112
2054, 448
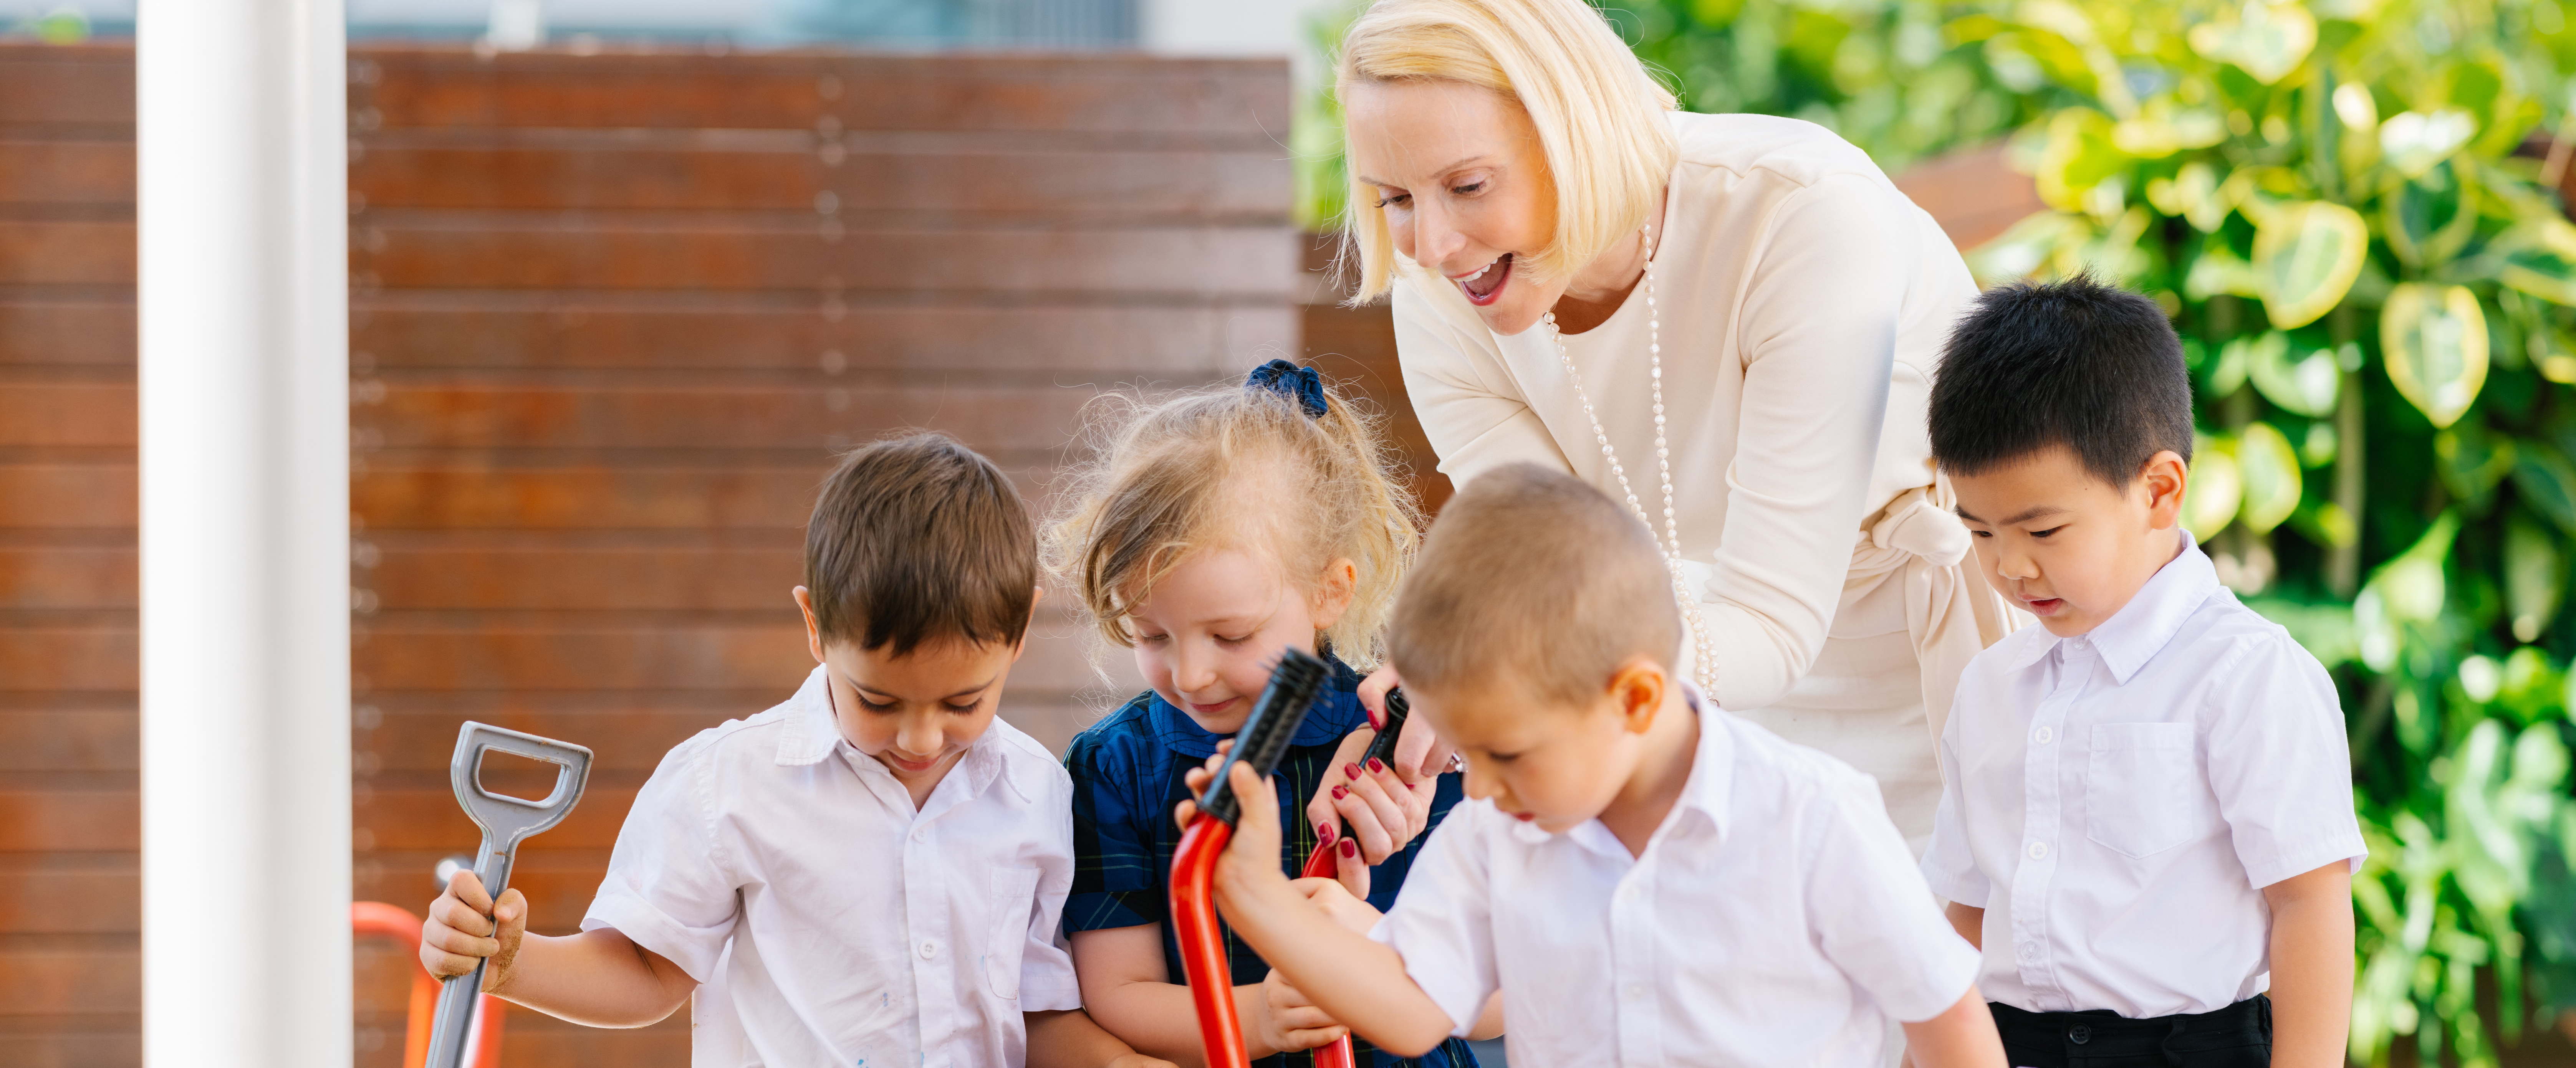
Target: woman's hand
1420, 754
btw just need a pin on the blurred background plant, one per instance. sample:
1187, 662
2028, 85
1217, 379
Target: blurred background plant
2352, 210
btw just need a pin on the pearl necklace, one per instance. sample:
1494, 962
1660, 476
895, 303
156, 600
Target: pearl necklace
1703, 670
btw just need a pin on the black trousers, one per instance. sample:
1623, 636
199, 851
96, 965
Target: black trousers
2238, 1036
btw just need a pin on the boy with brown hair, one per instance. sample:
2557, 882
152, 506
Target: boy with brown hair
870, 873
1647, 879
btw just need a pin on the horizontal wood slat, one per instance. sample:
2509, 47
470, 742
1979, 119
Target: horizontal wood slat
71, 902
69, 740
703, 579
70, 821
67, 496
66, 172
41, 982
59, 85
1058, 343
67, 578
66, 253
791, 177
41, 658
483, 417
583, 498
94, 333
1194, 262
1087, 94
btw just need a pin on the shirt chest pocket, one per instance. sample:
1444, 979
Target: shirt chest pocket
1015, 893
2143, 792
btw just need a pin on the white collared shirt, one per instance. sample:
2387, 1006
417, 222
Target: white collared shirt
2117, 801
1775, 918
829, 922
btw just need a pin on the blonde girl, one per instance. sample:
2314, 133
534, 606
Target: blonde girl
1213, 530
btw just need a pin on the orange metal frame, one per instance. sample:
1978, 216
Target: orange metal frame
396, 922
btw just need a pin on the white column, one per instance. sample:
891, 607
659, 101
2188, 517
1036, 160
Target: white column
242, 172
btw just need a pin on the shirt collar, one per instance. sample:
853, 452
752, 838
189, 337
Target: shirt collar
811, 736
1338, 705
2141, 627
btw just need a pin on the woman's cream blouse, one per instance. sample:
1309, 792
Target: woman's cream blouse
1804, 302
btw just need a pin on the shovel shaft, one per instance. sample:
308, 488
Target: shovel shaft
453, 1026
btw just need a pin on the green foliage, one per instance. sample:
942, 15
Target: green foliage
2376, 286
2375, 281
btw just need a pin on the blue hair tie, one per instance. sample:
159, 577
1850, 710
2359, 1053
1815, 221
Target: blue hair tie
1301, 384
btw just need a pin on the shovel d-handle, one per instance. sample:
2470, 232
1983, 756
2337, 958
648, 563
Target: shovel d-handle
506, 822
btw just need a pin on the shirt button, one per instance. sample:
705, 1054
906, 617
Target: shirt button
2030, 951
2039, 851
920, 833
929, 950
1635, 992
2043, 736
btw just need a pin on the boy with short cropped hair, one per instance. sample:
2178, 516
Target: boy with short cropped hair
870, 873
1647, 879
2147, 810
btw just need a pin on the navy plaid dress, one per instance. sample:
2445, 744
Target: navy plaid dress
1126, 780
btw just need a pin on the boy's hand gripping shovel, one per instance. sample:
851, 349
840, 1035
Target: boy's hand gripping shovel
1262, 742
506, 822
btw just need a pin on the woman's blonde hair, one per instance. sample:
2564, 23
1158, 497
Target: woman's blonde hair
1235, 468
1599, 114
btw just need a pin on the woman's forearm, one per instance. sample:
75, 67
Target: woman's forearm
598, 978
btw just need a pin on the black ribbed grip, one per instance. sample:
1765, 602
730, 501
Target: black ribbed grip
1263, 741
1382, 747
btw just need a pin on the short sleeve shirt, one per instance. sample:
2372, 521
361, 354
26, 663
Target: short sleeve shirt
2117, 801
1126, 772
828, 921
1775, 917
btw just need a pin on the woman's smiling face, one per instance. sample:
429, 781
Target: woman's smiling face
1465, 187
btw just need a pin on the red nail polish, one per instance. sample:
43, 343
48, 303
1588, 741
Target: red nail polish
1352, 770
1340, 792
1350, 847
1323, 832
1376, 765
1377, 720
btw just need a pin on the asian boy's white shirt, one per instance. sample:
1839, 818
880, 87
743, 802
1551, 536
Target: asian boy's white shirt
2117, 801
1775, 918
828, 921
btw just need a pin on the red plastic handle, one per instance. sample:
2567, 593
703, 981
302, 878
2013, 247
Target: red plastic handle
1203, 960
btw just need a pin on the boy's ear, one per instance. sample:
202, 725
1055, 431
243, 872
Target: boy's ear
813, 632
2163, 478
1637, 689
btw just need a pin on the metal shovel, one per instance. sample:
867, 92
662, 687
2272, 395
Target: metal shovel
506, 822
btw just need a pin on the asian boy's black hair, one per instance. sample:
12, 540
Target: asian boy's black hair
2072, 362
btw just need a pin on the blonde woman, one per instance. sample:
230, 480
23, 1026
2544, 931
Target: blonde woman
1728, 322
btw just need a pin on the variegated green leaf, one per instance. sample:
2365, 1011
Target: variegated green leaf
2429, 218
2433, 340
2266, 40
2415, 141
2305, 383
2540, 259
2213, 490
2534, 578
2306, 256
2269, 469
2547, 483
2470, 464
